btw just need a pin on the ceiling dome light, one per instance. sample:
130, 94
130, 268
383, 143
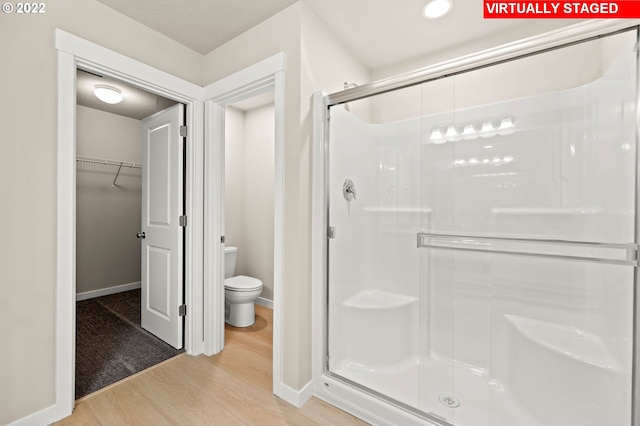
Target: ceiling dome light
437, 8
108, 94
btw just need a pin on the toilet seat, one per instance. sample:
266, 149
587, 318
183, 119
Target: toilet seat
242, 283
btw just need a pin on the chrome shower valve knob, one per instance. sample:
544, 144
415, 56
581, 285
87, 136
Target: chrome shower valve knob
349, 190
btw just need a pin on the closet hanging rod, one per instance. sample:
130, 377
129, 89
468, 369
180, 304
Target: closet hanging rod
106, 162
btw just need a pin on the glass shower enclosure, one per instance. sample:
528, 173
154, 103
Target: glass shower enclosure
481, 254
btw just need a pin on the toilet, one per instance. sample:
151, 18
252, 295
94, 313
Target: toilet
240, 292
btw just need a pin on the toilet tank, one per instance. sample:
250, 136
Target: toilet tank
230, 255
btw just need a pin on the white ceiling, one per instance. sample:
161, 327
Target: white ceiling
256, 101
379, 32
202, 25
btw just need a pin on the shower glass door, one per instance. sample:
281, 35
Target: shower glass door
481, 264
374, 295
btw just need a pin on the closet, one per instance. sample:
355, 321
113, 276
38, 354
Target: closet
110, 343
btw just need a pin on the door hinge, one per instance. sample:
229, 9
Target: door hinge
182, 310
331, 232
222, 239
183, 131
183, 220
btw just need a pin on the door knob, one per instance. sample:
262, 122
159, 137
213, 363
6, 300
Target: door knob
141, 235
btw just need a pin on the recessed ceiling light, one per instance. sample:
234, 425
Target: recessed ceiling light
437, 8
108, 94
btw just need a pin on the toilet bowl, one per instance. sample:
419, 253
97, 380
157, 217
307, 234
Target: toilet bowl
240, 293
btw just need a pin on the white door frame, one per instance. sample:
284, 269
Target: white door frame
74, 52
265, 75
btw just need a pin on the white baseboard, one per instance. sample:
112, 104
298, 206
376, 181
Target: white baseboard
294, 397
43, 417
264, 302
106, 291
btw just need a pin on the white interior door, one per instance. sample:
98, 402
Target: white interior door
161, 234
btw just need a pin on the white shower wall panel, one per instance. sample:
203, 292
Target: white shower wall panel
354, 227
398, 202
352, 159
376, 230
548, 163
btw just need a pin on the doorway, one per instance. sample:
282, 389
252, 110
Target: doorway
249, 189
73, 53
123, 324
265, 76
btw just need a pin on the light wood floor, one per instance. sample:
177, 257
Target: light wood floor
231, 388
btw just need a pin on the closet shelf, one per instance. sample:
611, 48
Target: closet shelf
105, 162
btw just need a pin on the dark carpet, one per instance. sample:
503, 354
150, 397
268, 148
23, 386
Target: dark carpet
111, 344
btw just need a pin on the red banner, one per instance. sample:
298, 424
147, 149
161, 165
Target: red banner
561, 9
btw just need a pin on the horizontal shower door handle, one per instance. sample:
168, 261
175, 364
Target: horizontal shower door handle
612, 253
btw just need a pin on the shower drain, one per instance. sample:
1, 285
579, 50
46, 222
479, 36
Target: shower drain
449, 401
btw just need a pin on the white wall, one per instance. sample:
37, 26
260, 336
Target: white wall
234, 177
259, 160
107, 216
28, 119
249, 191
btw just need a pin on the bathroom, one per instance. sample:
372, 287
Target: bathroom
249, 202
36, 385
